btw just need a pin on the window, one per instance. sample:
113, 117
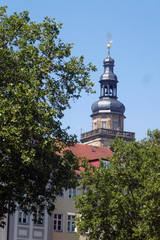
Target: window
23, 217
111, 91
92, 149
95, 126
61, 195
106, 164
58, 222
72, 192
71, 223
106, 91
103, 124
115, 91
38, 217
115, 125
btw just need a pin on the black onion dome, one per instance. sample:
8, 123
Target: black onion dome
107, 105
108, 75
108, 60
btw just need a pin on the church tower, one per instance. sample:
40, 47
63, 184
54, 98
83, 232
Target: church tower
107, 113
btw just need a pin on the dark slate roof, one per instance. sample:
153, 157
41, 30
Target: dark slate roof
108, 105
108, 61
108, 76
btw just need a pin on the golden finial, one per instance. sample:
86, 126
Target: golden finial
109, 41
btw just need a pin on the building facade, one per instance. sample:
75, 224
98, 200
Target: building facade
107, 113
61, 224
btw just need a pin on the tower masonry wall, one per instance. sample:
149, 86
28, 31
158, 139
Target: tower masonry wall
108, 121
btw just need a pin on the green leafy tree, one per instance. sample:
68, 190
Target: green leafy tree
123, 201
38, 78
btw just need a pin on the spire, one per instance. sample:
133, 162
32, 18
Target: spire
108, 80
108, 89
108, 46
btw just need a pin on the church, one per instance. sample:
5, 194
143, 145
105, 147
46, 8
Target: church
107, 123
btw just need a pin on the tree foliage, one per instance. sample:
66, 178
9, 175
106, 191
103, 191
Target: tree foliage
123, 201
38, 77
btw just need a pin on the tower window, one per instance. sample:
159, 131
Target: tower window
110, 91
106, 91
95, 126
115, 125
115, 92
103, 124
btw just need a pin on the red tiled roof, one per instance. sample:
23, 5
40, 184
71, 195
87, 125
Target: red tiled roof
91, 152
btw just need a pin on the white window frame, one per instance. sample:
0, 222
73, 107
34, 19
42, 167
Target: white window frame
71, 223
38, 216
57, 220
106, 163
62, 195
22, 217
72, 192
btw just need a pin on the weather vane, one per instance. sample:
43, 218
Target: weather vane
109, 41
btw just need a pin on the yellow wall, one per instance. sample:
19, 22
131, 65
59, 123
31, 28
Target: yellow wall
65, 206
109, 119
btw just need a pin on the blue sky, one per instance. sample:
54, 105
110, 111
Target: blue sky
135, 29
